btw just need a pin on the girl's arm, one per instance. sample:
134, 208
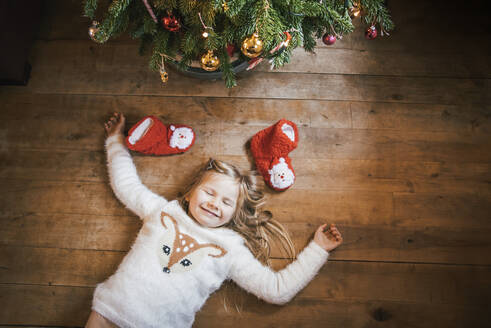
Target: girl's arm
281, 286
122, 173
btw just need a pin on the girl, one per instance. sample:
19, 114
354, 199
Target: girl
186, 248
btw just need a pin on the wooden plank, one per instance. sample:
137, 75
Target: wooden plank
70, 231
430, 294
339, 60
454, 211
466, 119
446, 177
57, 266
105, 70
190, 110
318, 174
65, 197
44, 305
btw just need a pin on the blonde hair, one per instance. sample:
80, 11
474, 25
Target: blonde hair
257, 226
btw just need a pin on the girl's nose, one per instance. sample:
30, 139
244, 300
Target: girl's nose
212, 204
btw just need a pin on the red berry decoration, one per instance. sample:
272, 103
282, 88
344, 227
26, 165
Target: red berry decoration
371, 33
171, 23
328, 39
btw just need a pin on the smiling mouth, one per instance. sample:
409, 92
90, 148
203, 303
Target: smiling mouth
208, 211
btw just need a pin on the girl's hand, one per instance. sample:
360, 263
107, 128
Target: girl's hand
329, 238
115, 124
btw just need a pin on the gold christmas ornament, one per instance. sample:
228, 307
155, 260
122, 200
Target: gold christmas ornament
164, 75
355, 11
93, 29
252, 46
209, 62
225, 6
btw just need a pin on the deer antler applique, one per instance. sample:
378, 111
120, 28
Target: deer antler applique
180, 252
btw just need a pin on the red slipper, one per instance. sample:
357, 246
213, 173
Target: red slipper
151, 136
270, 148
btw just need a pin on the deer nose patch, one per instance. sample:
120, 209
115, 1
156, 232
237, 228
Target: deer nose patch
166, 270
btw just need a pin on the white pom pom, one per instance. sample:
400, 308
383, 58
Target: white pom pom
172, 127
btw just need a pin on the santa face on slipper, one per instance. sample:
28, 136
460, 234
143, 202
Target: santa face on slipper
281, 176
181, 138
270, 148
151, 136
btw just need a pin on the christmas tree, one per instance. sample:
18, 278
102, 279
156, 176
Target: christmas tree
220, 33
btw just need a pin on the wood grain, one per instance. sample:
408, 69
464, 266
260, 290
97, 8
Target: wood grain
423, 291
117, 69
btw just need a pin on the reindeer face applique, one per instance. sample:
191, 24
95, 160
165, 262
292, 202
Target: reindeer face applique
180, 252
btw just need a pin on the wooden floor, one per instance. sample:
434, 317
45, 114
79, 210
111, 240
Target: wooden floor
395, 148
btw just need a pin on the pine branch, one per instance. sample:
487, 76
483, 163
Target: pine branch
230, 22
90, 6
160, 47
376, 12
227, 70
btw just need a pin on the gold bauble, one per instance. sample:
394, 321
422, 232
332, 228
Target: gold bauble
93, 29
164, 75
355, 11
209, 62
252, 46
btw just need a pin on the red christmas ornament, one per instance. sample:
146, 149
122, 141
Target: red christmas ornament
171, 23
328, 39
231, 49
371, 33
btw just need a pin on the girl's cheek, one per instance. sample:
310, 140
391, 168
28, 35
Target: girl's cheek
230, 211
203, 196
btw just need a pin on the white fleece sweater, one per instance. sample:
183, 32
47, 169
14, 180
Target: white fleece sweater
175, 263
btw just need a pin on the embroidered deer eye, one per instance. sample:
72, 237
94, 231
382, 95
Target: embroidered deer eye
166, 249
186, 262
